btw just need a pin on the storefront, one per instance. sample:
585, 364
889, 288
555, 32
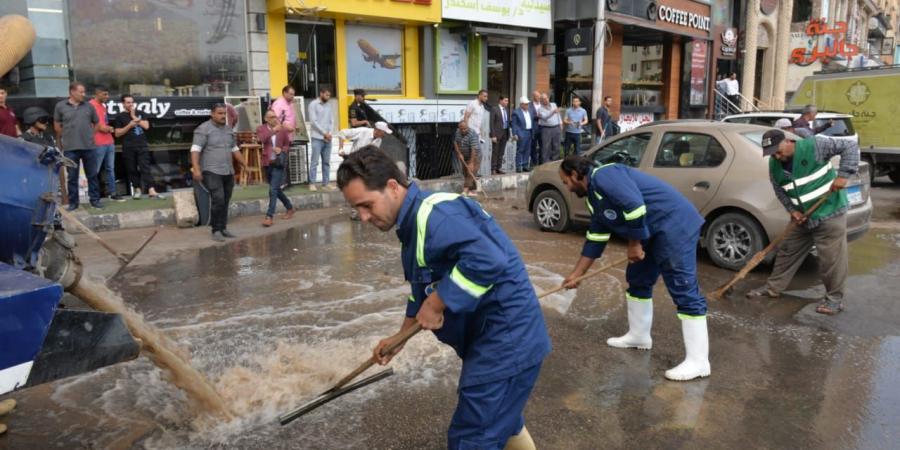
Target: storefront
656, 59
176, 58
420, 61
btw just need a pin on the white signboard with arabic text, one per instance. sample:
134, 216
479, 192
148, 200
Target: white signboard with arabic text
521, 13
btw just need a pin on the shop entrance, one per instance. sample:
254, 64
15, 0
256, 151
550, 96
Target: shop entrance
311, 58
501, 71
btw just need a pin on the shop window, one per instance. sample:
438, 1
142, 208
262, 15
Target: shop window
628, 150
642, 82
374, 59
458, 63
802, 11
689, 150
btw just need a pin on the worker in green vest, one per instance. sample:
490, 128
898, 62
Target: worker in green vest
801, 173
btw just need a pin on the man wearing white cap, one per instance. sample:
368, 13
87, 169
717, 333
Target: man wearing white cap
522, 133
362, 136
784, 124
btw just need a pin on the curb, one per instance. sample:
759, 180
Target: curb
318, 200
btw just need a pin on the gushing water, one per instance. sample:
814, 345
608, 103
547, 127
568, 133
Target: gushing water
162, 351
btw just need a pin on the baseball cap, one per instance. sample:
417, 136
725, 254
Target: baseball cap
770, 141
359, 92
383, 126
783, 123
524, 99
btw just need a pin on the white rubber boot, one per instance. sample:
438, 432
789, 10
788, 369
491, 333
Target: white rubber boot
696, 348
6, 406
640, 319
521, 441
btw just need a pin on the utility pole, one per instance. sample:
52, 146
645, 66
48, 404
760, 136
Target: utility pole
599, 50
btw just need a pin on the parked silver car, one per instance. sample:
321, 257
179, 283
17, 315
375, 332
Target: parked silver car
718, 166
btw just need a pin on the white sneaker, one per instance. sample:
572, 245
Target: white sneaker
312, 187
696, 348
136, 194
640, 320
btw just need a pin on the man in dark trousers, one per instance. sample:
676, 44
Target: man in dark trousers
536, 157
801, 174
212, 151
131, 126
662, 228
469, 286
523, 126
499, 133
75, 122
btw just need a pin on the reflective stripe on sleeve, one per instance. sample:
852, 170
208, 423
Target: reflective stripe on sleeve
637, 213
597, 237
422, 221
587, 202
412, 299
472, 288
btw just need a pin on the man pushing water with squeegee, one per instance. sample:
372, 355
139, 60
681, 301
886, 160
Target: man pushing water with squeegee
469, 286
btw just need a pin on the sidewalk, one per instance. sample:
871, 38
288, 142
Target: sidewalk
253, 201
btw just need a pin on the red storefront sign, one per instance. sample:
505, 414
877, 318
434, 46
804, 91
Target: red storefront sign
824, 44
698, 73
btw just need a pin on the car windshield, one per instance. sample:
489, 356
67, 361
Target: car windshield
841, 126
755, 137
628, 150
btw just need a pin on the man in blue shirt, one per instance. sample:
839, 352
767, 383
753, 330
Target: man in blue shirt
576, 117
469, 286
658, 220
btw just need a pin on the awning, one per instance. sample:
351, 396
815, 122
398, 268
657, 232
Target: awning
631, 20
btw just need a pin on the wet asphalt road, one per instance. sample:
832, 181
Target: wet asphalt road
274, 317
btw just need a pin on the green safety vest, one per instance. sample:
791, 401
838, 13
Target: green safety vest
810, 180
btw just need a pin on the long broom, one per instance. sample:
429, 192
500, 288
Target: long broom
339, 388
758, 258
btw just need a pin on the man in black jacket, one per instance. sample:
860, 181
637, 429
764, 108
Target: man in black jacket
499, 133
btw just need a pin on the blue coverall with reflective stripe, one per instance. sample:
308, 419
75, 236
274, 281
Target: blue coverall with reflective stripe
492, 318
636, 206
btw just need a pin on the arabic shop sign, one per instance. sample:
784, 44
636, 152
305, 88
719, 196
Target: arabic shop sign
680, 17
824, 44
520, 13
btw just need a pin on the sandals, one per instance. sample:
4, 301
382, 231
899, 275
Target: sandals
829, 307
762, 292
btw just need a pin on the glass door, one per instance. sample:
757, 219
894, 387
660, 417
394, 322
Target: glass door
311, 56
500, 72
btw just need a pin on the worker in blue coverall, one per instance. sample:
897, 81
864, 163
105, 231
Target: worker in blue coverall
662, 228
469, 286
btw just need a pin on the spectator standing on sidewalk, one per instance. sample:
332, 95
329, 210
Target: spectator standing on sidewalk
523, 127
551, 129
474, 115
37, 122
75, 122
212, 151
284, 109
8, 124
536, 156
321, 124
499, 133
357, 113
576, 117
276, 141
466, 144
131, 125
733, 90
105, 144
606, 126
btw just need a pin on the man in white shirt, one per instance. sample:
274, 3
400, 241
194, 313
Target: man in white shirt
733, 90
474, 115
321, 121
362, 136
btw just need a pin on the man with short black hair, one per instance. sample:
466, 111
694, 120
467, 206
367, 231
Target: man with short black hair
321, 124
469, 286
605, 129
499, 133
212, 151
132, 125
105, 144
474, 115
75, 123
8, 124
801, 173
576, 117
358, 115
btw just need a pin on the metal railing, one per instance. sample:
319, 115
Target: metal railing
725, 107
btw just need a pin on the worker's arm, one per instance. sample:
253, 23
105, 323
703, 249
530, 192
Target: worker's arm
379, 348
783, 196
479, 262
848, 150
624, 194
595, 242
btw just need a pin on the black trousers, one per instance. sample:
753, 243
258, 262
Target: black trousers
498, 151
137, 163
220, 188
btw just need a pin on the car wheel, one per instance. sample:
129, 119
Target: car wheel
550, 211
732, 239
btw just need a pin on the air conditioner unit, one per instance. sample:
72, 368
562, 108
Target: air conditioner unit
298, 163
